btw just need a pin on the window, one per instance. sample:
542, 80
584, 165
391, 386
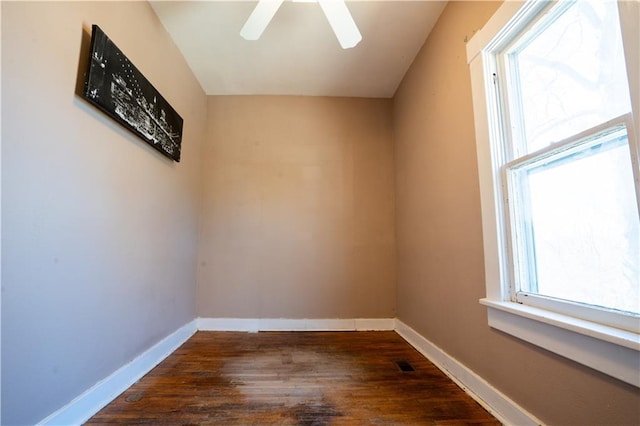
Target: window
560, 183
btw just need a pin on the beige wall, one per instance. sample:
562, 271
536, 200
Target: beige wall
298, 209
99, 230
440, 258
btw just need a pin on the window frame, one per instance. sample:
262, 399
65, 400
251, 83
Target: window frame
588, 336
597, 314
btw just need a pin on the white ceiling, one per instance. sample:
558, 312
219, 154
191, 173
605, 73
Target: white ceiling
298, 54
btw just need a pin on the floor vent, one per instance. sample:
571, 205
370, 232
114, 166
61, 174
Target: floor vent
404, 366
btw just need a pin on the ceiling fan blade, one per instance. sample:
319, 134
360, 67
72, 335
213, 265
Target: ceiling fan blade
342, 22
260, 18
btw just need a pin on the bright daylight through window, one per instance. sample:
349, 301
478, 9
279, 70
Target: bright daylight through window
560, 184
573, 210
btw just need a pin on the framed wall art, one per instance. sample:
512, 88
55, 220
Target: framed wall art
113, 84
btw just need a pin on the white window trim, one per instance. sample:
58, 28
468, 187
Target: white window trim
610, 350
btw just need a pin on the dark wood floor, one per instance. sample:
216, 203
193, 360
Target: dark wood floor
310, 378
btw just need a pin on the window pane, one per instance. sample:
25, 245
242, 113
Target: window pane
572, 74
582, 241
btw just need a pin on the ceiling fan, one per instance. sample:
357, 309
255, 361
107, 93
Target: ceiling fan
336, 12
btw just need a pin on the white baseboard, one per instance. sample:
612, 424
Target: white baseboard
281, 324
494, 401
227, 324
93, 400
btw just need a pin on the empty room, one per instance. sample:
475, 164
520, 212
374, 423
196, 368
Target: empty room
320, 212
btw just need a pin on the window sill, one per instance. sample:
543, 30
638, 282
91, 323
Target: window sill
606, 349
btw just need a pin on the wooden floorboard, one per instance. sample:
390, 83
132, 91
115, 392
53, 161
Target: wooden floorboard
294, 378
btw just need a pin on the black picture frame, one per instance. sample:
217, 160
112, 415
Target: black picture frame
114, 85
